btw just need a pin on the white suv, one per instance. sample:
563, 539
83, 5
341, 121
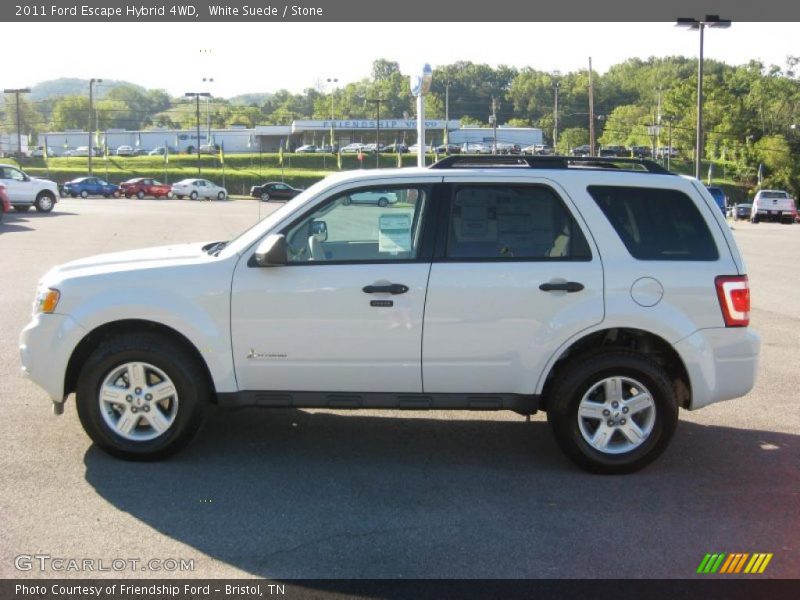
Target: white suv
608, 298
25, 191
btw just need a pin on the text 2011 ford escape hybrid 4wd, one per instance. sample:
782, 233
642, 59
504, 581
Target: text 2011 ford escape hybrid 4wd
609, 297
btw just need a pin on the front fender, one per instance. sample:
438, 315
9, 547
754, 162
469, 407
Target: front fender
193, 300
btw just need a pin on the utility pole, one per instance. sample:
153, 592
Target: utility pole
493, 119
197, 100
92, 124
669, 135
555, 117
591, 111
446, 116
16, 93
208, 80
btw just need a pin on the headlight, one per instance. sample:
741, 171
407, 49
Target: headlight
46, 301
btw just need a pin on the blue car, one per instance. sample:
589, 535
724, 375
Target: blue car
89, 186
719, 197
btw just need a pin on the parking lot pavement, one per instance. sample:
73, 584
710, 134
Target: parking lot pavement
321, 494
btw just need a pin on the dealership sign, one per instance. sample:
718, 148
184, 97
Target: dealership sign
410, 124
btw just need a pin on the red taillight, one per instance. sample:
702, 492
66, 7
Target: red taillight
733, 292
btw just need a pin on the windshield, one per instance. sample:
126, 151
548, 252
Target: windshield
249, 236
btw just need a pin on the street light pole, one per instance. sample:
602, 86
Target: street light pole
16, 93
377, 102
701, 24
197, 100
91, 123
332, 81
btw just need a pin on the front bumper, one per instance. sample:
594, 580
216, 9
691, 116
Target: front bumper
722, 363
45, 347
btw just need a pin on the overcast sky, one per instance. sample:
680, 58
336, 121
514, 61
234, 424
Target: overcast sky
264, 57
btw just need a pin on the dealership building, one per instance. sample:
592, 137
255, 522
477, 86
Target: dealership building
269, 138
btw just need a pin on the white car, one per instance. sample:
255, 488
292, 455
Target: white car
38, 152
475, 148
352, 148
125, 151
198, 188
609, 299
24, 191
379, 197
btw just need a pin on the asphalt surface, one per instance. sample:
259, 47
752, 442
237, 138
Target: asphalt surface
321, 494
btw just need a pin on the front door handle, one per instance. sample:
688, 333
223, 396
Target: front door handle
391, 288
567, 286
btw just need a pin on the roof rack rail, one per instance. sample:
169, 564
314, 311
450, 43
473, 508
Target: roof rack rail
456, 161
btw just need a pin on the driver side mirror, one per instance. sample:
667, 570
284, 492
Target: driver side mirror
271, 252
319, 229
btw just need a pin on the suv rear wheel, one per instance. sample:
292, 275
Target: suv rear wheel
612, 412
141, 397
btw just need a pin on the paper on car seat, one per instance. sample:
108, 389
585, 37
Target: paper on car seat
394, 233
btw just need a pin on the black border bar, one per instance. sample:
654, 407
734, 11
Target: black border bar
416, 589
450, 11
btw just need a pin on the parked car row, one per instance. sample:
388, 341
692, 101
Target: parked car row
141, 187
626, 151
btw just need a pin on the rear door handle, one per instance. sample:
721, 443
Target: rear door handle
392, 288
567, 286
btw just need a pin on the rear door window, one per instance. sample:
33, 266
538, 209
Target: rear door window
656, 224
507, 222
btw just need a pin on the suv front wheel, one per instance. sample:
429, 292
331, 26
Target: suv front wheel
141, 397
613, 411
45, 202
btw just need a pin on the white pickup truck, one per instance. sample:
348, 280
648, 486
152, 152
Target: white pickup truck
25, 191
773, 205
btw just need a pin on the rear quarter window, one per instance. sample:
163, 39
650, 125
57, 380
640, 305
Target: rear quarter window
656, 224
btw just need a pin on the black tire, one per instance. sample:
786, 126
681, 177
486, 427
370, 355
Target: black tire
193, 196
163, 353
21, 208
84, 194
45, 202
577, 379
265, 196
221, 196
140, 195
382, 202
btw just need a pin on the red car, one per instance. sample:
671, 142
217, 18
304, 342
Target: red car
4, 201
143, 186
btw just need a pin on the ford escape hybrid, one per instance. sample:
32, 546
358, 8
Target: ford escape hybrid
607, 292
